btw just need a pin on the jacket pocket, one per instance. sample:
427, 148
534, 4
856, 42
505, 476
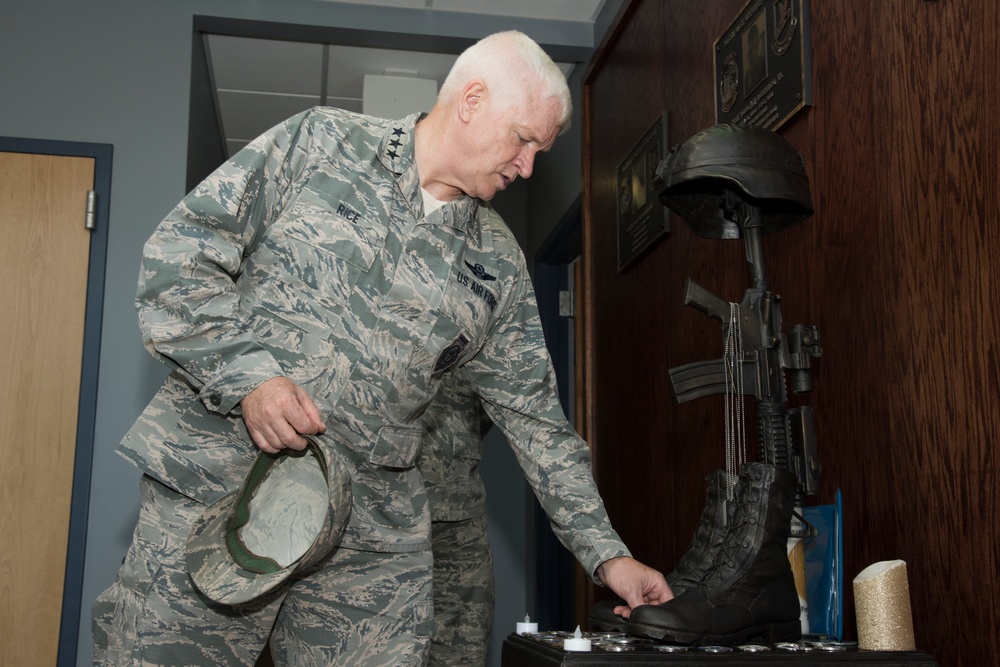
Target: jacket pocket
118, 612
396, 446
395, 496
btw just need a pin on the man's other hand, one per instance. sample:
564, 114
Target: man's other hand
278, 413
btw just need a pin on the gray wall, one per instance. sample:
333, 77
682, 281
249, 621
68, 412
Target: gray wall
118, 72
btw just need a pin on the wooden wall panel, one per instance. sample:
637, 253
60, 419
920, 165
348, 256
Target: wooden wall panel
897, 268
941, 294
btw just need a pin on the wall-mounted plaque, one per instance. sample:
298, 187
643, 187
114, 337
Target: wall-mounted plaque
762, 67
642, 219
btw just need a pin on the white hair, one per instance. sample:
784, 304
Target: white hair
502, 60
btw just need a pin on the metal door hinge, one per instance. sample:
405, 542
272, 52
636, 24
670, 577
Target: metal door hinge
90, 221
566, 303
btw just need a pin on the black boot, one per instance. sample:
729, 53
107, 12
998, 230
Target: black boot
749, 590
705, 543
708, 536
602, 616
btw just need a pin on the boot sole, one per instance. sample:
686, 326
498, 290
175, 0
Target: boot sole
769, 633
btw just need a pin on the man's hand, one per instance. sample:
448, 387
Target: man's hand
634, 582
277, 413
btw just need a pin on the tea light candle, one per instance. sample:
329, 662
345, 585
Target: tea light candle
577, 642
527, 627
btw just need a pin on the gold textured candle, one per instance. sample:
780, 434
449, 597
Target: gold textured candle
882, 605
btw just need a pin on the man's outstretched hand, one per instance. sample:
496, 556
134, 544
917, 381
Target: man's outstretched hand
634, 582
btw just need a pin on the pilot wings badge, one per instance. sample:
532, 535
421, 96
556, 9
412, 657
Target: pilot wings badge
479, 271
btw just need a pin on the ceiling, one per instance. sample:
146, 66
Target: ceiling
260, 81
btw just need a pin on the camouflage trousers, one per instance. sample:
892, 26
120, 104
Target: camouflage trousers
358, 608
463, 593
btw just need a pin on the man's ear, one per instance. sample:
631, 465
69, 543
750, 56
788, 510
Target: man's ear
472, 99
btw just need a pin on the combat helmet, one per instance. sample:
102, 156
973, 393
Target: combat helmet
754, 163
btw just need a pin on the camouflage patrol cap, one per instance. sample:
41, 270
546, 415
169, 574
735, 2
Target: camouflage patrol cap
289, 514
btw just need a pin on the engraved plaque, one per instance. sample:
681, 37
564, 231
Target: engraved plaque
762, 66
641, 218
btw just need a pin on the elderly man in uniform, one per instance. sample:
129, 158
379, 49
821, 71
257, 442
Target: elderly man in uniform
321, 283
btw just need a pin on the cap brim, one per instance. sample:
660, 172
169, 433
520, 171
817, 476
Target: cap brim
236, 575
212, 568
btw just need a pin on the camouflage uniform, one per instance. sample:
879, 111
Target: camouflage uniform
153, 615
455, 424
307, 255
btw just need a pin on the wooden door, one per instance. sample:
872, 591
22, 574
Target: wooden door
44, 253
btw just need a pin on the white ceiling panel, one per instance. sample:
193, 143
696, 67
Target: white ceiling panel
399, 4
259, 82
556, 10
559, 10
349, 65
247, 115
243, 63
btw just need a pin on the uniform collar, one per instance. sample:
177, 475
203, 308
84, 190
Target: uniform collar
396, 154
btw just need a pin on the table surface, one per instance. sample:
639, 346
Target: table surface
545, 650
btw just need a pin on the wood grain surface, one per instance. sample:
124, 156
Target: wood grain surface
897, 268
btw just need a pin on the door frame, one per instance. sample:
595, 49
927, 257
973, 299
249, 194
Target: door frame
554, 565
69, 626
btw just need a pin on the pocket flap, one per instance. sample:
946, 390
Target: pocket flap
316, 222
396, 447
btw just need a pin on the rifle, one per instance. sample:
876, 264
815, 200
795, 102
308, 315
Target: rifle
785, 436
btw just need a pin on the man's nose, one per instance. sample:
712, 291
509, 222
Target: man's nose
525, 162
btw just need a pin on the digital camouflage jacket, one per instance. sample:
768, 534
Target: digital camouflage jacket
307, 255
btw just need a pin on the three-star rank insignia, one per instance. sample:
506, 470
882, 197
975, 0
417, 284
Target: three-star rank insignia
395, 142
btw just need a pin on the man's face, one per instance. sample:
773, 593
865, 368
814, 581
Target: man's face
506, 139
